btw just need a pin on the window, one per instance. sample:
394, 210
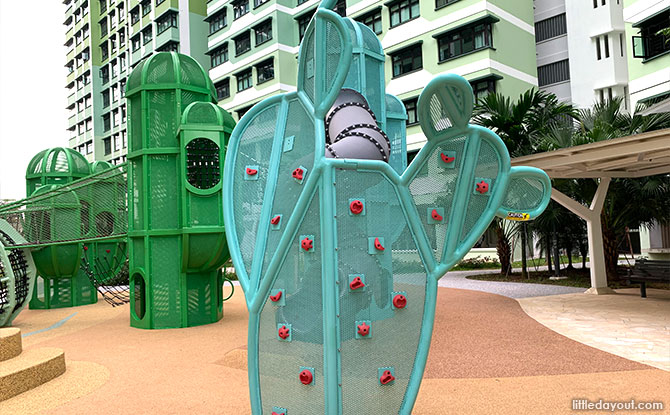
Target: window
550, 28
171, 46
651, 43
112, 19
89, 147
258, 3
112, 43
243, 80
104, 74
103, 6
166, 21
606, 43
407, 60
621, 38
122, 38
106, 122
218, 22
135, 43
412, 114
147, 35
403, 11
595, 4
85, 56
135, 15
265, 71
303, 22
103, 28
373, 21
553, 73
104, 51
442, 3
117, 142
220, 55
242, 43
483, 87
263, 32
242, 111
87, 101
122, 88
599, 54
240, 8
222, 89
108, 145
159, 2
122, 15
464, 40
341, 8
105, 98
146, 7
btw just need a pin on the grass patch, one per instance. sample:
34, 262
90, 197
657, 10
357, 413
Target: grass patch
575, 278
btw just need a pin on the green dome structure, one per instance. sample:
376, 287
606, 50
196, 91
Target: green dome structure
58, 165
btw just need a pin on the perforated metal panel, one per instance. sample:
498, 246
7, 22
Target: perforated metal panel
523, 194
280, 361
203, 167
254, 150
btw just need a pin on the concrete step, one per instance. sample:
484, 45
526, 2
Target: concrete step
30, 369
10, 343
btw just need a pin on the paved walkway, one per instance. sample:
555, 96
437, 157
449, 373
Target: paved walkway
624, 324
457, 279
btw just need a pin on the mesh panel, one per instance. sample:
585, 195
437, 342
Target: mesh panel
279, 362
394, 333
135, 125
308, 48
55, 214
203, 170
160, 70
333, 53
523, 194
254, 150
433, 188
488, 167
165, 293
374, 81
370, 40
162, 119
163, 192
301, 128
192, 73
438, 116
202, 114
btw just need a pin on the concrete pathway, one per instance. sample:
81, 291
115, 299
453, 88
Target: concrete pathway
457, 279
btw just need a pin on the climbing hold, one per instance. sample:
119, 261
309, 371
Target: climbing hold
436, 216
482, 187
307, 244
276, 297
278, 413
378, 245
356, 207
386, 377
399, 301
363, 329
446, 158
275, 220
306, 377
85, 248
356, 283
284, 332
251, 172
297, 173
107, 250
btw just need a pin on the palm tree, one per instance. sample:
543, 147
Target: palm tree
520, 124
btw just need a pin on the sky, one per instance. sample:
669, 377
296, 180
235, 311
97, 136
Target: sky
32, 87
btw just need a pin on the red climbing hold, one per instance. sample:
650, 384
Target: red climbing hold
436, 216
275, 413
363, 329
276, 297
482, 187
284, 332
356, 283
86, 248
378, 245
386, 377
107, 250
251, 172
297, 173
446, 158
307, 244
306, 377
399, 301
275, 220
356, 207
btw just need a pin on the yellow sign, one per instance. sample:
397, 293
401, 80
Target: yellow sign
518, 216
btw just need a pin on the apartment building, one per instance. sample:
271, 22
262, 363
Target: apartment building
648, 49
253, 45
105, 39
581, 50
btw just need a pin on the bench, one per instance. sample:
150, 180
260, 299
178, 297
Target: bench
646, 270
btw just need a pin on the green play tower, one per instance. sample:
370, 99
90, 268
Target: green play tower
177, 140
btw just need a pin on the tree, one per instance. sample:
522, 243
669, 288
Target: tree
520, 124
